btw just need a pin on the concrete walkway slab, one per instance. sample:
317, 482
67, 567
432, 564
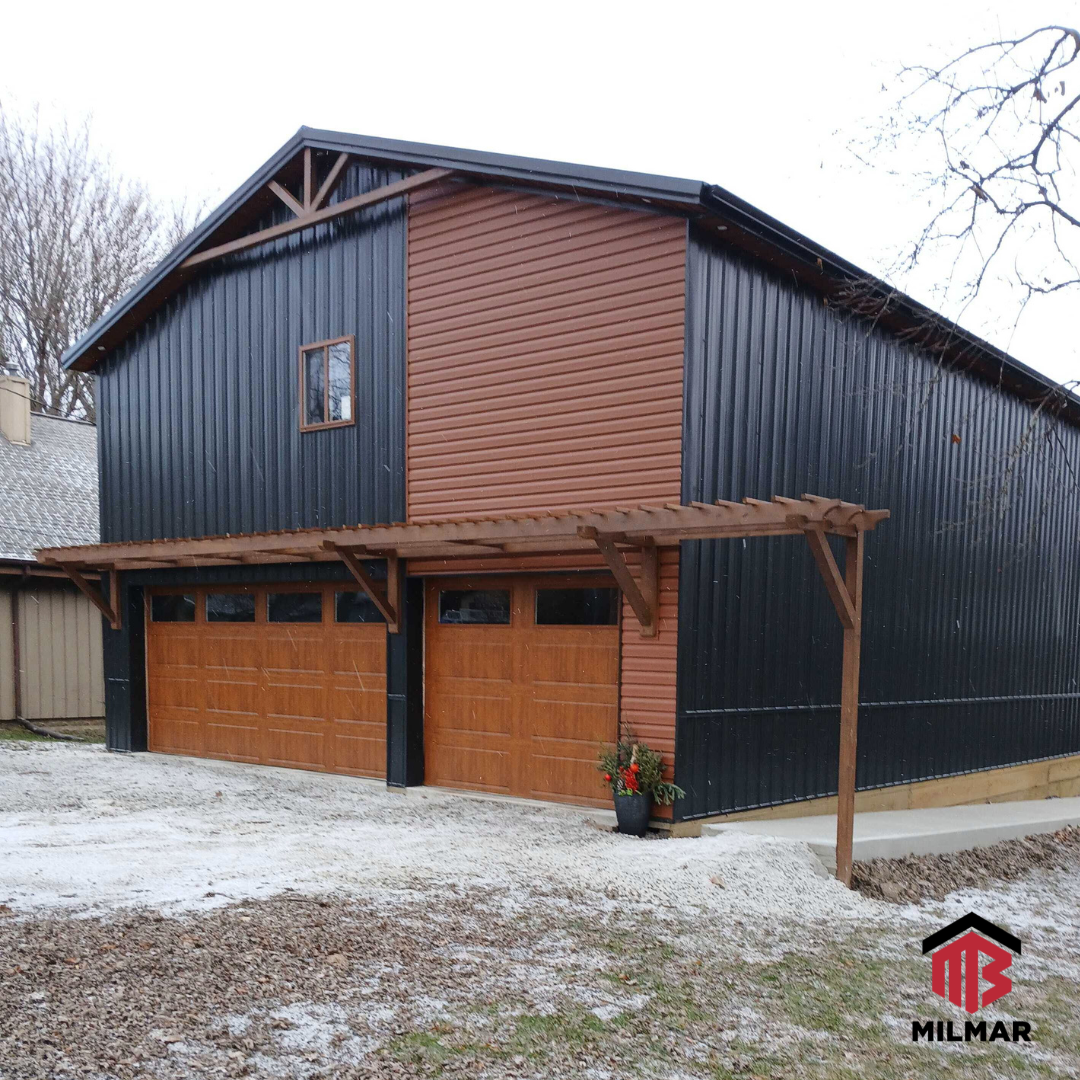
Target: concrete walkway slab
893, 833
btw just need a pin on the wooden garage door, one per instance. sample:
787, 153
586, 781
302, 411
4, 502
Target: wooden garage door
521, 687
289, 675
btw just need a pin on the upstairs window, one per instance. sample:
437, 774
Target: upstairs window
327, 384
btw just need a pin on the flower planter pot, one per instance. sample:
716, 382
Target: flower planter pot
632, 812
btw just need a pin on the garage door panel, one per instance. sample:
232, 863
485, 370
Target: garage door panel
359, 748
233, 697
491, 659
304, 695
238, 741
175, 734
580, 722
471, 712
477, 767
289, 746
577, 663
362, 655
566, 779
231, 654
173, 650
299, 701
287, 654
359, 705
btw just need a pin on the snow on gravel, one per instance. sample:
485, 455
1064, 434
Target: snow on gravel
87, 831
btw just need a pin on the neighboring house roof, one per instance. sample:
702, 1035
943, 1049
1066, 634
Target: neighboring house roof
49, 489
744, 226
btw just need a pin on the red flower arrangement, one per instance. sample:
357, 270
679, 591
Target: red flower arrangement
631, 768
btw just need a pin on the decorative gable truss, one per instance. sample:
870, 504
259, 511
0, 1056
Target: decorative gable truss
312, 209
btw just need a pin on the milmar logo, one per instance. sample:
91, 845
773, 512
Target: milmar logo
956, 975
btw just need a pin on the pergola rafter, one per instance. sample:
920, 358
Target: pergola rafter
610, 534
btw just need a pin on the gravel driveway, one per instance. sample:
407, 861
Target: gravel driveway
165, 917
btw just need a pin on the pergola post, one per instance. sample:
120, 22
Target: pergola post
849, 708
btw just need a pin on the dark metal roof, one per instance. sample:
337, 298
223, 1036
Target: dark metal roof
745, 225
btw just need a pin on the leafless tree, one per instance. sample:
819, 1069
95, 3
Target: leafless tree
75, 236
997, 129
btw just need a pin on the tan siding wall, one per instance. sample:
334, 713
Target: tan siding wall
545, 361
60, 653
7, 677
545, 354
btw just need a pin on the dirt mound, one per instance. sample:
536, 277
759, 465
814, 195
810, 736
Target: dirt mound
921, 877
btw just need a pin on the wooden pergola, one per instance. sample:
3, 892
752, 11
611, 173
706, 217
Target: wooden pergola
609, 533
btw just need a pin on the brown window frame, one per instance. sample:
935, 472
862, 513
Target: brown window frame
350, 340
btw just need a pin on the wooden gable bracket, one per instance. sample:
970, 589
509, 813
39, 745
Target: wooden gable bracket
643, 595
311, 211
110, 608
388, 600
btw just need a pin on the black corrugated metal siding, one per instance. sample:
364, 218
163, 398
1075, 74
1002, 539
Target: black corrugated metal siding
972, 602
199, 425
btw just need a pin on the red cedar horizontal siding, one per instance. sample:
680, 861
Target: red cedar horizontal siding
545, 366
545, 344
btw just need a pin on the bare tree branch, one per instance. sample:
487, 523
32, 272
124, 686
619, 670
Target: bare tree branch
74, 238
998, 131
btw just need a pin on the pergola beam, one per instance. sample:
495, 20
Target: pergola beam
664, 526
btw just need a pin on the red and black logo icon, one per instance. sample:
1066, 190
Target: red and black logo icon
957, 974
959, 962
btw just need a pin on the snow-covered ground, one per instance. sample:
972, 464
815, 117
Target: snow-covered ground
233, 920
82, 829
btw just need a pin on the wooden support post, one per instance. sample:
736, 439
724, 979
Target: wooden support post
111, 612
616, 562
849, 708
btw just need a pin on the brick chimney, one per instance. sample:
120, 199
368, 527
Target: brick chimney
14, 407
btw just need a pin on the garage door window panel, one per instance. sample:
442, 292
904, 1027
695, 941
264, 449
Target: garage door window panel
294, 607
474, 607
172, 608
355, 607
230, 607
577, 607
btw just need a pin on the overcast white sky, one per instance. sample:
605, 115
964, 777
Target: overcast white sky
762, 99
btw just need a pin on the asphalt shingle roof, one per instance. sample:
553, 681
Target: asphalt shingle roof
49, 489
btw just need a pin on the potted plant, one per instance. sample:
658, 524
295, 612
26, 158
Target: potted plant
635, 774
